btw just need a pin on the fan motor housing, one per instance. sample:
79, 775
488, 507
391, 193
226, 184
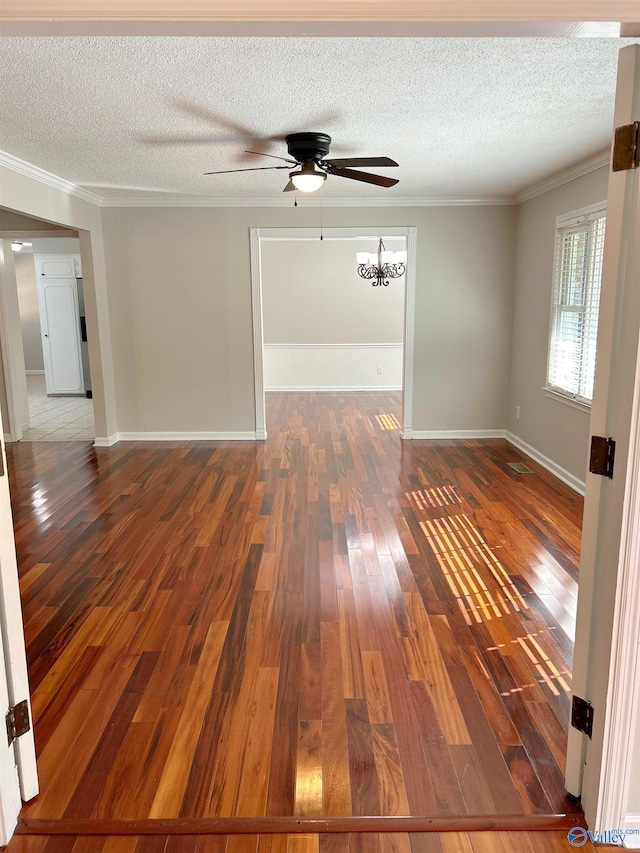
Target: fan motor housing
308, 146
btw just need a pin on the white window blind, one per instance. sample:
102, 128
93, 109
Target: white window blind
576, 301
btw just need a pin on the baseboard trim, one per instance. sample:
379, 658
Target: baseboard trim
561, 473
551, 466
332, 389
631, 824
186, 436
109, 441
557, 470
34, 372
290, 825
456, 433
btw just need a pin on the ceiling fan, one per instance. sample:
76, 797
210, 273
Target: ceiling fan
309, 151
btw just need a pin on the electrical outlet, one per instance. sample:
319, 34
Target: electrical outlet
517, 413
379, 370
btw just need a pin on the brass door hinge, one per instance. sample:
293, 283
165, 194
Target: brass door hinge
626, 147
18, 722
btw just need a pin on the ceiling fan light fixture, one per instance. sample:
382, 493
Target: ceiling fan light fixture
308, 179
16, 245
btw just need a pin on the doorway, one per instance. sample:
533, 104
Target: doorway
39, 403
264, 262
59, 409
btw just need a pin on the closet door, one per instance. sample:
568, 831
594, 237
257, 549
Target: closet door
60, 325
57, 266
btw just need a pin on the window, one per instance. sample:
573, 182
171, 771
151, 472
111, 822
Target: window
576, 300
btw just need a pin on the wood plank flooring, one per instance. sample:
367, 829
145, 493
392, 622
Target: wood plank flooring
333, 622
398, 842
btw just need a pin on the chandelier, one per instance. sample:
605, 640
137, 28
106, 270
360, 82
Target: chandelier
381, 267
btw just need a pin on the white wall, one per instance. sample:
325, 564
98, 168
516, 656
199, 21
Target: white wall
4, 409
55, 245
312, 294
12, 353
333, 367
553, 427
463, 318
29, 311
180, 300
324, 326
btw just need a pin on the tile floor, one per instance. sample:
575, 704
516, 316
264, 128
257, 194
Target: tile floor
57, 418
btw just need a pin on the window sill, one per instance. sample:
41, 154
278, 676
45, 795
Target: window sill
568, 401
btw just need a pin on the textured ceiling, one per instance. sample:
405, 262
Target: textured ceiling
464, 117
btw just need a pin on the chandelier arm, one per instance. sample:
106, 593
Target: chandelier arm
379, 274
392, 270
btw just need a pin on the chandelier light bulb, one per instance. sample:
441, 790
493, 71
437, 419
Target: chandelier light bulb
379, 268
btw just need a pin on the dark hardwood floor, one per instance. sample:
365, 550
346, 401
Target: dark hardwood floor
397, 842
334, 622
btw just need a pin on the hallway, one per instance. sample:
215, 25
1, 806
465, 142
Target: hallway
57, 418
332, 623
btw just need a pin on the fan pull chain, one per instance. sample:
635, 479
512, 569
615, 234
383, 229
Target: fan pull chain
321, 198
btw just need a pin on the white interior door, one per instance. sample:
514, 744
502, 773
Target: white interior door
60, 325
18, 774
606, 629
10, 801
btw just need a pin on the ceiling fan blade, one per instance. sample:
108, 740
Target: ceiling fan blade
186, 140
210, 117
365, 177
225, 129
362, 161
273, 156
289, 187
254, 169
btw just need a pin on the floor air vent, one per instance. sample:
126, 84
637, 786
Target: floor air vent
519, 467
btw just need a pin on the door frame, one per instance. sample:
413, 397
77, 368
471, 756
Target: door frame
607, 658
259, 235
11, 349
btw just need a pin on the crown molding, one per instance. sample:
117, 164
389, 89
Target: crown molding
560, 178
305, 202
44, 177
